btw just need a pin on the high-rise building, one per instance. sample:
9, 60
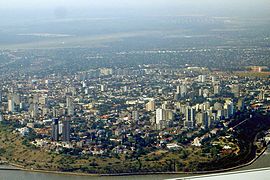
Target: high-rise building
160, 115
86, 91
214, 79
83, 84
71, 90
21, 106
35, 99
168, 115
11, 104
229, 107
240, 104
182, 108
125, 88
178, 90
202, 119
42, 100
201, 92
45, 111
150, 106
103, 87
164, 105
190, 117
261, 95
55, 129
220, 114
66, 129
235, 90
206, 105
218, 106
176, 96
1, 117
217, 89
0, 100
33, 110
135, 116
183, 90
70, 105
202, 78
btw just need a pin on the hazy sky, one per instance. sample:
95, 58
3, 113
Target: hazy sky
90, 17
7, 4
91, 8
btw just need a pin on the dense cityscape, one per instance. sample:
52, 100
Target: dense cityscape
134, 112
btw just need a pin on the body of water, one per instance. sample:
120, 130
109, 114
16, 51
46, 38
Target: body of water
23, 175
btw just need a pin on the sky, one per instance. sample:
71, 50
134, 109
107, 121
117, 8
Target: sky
241, 5
76, 16
20, 10
76, 3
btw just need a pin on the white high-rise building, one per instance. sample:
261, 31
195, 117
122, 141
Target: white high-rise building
202, 78
229, 107
164, 105
86, 90
11, 104
83, 84
103, 88
178, 90
214, 79
160, 115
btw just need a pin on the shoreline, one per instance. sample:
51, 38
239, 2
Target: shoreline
20, 168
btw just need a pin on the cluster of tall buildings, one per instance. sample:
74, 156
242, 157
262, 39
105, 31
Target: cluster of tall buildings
63, 128
200, 115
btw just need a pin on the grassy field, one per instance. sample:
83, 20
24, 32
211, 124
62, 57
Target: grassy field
17, 150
